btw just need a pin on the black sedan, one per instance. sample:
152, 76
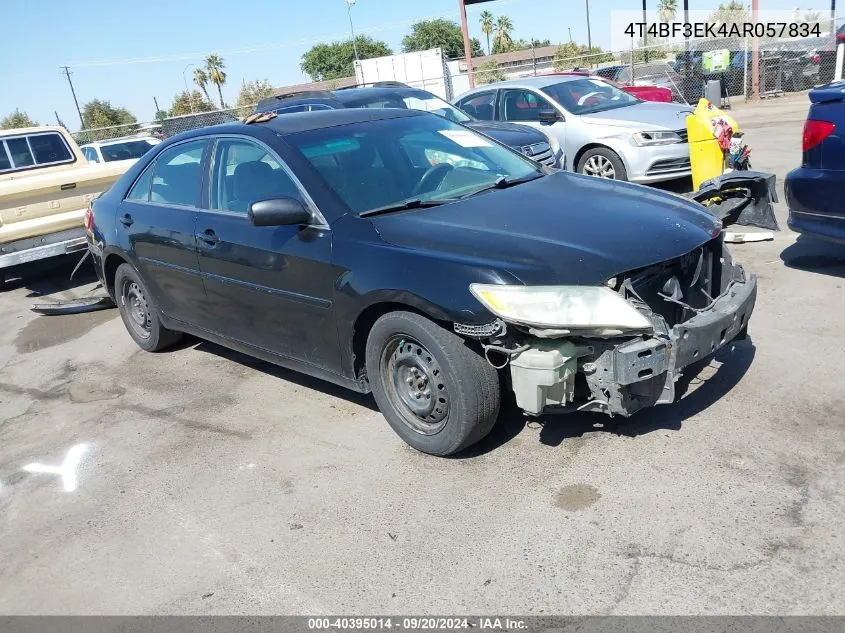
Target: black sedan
397, 252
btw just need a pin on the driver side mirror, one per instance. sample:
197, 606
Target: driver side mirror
549, 115
278, 212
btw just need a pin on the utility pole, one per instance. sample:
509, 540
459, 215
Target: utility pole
755, 56
155, 101
589, 37
467, 46
533, 56
833, 18
73, 92
645, 33
570, 34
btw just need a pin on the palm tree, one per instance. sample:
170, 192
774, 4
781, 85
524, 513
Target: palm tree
504, 27
487, 27
214, 66
201, 79
666, 10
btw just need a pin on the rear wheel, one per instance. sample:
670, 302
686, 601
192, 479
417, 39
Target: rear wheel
139, 313
602, 163
435, 392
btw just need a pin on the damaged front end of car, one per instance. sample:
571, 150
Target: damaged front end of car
620, 347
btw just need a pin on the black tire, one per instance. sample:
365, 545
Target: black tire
139, 313
599, 160
456, 379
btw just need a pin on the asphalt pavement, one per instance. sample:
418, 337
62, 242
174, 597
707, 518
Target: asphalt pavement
200, 481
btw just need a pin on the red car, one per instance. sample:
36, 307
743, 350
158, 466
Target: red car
646, 93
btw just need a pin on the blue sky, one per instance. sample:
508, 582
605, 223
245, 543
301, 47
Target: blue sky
179, 32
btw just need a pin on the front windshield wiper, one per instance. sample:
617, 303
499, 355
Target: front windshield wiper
503, 182
413, 203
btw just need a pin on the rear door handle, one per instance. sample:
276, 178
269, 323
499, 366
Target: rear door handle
126, 219
209, 237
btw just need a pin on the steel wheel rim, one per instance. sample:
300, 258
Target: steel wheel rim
599, 166
414, 380
136, 309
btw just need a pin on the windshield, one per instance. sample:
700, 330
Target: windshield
588, 96
126, 150
415, 100
382, 163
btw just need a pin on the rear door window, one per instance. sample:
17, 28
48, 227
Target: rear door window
175, 177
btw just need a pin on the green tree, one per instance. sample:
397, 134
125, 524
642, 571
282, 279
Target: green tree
214, 66
487, 27
488, 73
254, 91
17, 119
336, 60
188, 102
812, 17
570, 55
523, 44
503, 40
102, 114
667, 9
201, 79
439, 33
734, 12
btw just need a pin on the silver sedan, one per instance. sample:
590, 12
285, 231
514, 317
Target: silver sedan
603, 130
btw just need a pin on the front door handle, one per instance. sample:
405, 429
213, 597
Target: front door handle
209, 237
126, 219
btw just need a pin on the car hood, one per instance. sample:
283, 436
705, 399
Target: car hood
653, 115
511, 134
564, 228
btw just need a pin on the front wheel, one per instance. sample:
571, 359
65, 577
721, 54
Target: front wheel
436, 393
139, 313
602, 163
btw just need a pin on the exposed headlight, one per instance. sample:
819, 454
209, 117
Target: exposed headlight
569, 307
656, 138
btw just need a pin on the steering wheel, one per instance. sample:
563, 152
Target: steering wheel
432, 178
595, 96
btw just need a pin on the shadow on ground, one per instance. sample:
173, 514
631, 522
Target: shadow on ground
815, 256
303, 380
52, 276
696, 393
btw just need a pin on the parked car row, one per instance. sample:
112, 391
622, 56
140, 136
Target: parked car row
533, 143
340, 243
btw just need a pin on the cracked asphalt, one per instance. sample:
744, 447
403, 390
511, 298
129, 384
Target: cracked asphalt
200, 481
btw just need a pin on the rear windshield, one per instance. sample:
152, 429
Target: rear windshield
126, 150
33, 150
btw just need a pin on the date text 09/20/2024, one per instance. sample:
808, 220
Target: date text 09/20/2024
415, 623
698, 30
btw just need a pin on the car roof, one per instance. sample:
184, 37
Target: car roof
529, 82
350, 94
295, 122
121, 139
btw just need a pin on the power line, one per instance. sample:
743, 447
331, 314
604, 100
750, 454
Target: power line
73, 92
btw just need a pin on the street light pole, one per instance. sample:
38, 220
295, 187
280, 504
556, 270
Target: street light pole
589, 37
188, 92
349, 4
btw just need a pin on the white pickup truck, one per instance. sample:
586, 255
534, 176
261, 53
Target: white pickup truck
46, 185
